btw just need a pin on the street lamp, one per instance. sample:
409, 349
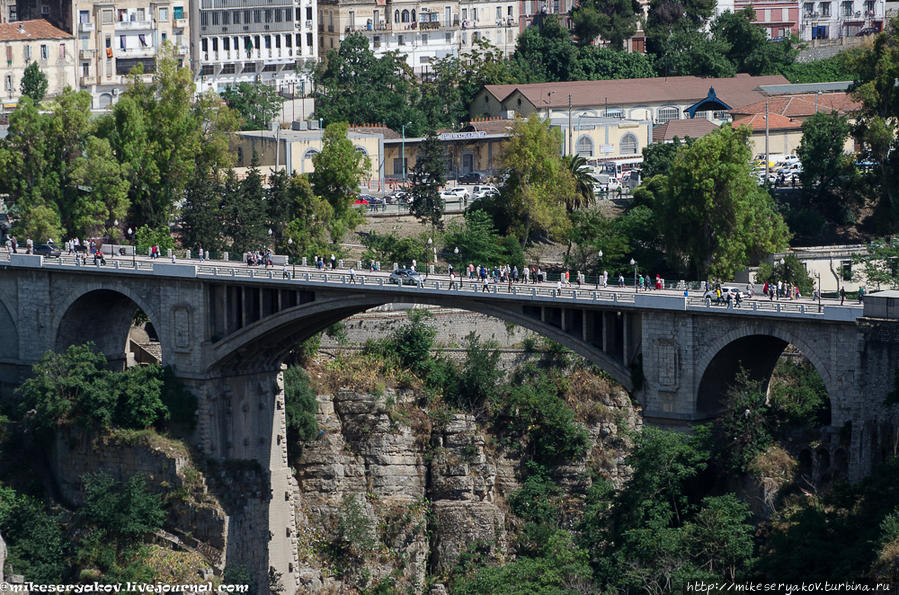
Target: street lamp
133, 247
290, 250
818, 275
403, 156
428, 257
598, 259
634, 264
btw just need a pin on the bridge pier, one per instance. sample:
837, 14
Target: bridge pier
241, 424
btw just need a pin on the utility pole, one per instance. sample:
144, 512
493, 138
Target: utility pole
570, 151
767, 154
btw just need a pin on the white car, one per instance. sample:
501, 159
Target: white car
484, 190
458, 192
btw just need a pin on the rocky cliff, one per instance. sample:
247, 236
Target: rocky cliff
394, 494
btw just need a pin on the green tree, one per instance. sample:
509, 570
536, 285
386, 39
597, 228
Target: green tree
684, 53
300, 406
243, 207
545, 53
479, 376
103, 185
583, 196
749, 48
339, 169
658, 157
592, 232
615, 21
427, 179
145, 238
353, 85
36, 545
791, 271
201, 214
599, 63
477, 241
34, 83
710, 210
743, 426
721, 538
880, 265
299, 219
827, 171
877, 125
539, 184
257, 104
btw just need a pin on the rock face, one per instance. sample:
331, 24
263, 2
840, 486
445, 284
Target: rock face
428, 491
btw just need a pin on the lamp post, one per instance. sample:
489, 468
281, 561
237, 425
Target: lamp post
133, 247
403, 155
634, 264
818, 275
428, 257
598, 260
783, 273
767, 155
817, 95
290, 249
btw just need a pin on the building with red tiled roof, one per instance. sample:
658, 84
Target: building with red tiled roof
783, 134
800, 106
37, 41
656, 99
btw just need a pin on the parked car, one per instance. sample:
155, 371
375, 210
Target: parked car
459, 192
472, 178
711, 296
397, 197
867, 31
375, 201
47, 250
405, 277
483, 190
360, 200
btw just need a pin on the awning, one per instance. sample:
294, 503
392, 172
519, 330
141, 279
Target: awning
709, 104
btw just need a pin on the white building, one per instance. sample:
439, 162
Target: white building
38, 41
235, 41
835, 19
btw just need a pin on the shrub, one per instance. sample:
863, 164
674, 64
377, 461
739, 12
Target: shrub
798, 396
742, 429
34, 538
123, 509
478, 380
300, 406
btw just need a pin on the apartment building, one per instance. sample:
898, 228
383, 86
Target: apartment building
835, 19
38, 41
254, 41
778, 18
113, 39
420, 30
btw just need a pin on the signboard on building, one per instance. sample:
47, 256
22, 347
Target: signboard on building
606, 148
461, 135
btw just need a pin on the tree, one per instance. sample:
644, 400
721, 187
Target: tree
684, 52
583, 183
427, 179
34, 83
742, 428
545, 53
243, 207
658, 157
353, 85
827, 170
201, 214
539, 183
877, 125
257, 104
307, 232
750, 50
791, 271
598, 63
721, 537
710, 210
103, 185
477, 241
615, 21
339, 169
880, 266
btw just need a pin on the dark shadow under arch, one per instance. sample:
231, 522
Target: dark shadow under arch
102, 316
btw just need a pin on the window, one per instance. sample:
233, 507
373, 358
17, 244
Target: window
226, 44
352, 18
846, 270
204, 18
615, 112
62, 51
270, 68
869, 8
628, 144
257, 16
9, 82
246, 17
226, 18
308, 13
106, 15
667, 114
396, 16
846, 9
825, 9
84, 16
585, 146
236, 16
509, 11
268, 16
309, 39
376, 41
206, 70
474, 14
163, 13
424, 39
140, 15
405, 16
277, 15
215, 17
27, 53
448, 37
43, 52
499, 13
178, 12
808, 9
400, 40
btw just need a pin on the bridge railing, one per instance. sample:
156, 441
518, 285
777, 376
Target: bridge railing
553, 293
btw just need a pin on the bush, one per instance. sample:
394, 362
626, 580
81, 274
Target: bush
478, 380
300, 406
145, 237
124, 509
74, 387
798, 396
742, 429
34, 538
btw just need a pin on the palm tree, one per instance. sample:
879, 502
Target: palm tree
583, 196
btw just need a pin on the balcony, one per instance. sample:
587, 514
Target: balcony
134, 25
183, 50
180, 23
87, 54
429, 25
86, 27
87, 80
144, 52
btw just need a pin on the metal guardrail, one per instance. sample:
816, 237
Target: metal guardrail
440, 285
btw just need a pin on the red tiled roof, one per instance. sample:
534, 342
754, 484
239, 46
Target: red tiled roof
37, 29
736, 91
376, 129
802, 105
693, 128
776, 122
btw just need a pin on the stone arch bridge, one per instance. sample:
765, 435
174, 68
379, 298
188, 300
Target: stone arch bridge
226, 331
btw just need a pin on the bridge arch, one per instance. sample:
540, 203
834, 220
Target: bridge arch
756, 350
265, 343
104, 317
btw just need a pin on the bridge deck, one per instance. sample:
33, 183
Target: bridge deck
828, 310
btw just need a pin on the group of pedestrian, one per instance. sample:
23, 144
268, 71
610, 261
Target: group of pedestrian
262, 256
645, 283
781, 289
321, 263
